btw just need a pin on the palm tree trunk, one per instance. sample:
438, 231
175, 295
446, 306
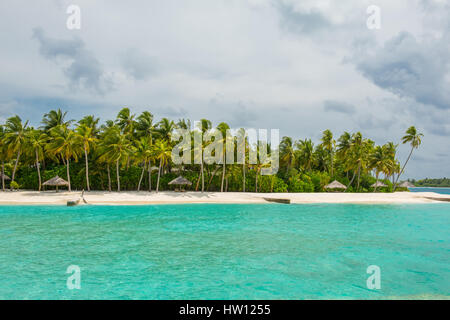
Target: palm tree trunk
403, 168
203, 177
68, 174
3, 175
87, 168
359, 176
353, 178
256, 183
243, 175
109, 177
211, 178
118, 175
376, 183
223, 173
38, 169
142, 176
15, 166
159, 174
149, 176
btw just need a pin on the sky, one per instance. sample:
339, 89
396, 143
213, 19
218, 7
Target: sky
301, 66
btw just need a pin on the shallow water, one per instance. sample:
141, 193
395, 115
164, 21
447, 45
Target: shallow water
430, 189
210, 251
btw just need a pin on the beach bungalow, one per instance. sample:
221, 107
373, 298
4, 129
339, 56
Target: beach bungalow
56, 182
335, 186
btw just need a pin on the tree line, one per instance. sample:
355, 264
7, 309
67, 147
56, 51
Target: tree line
123, 153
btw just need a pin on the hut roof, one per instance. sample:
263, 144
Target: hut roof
180, 180
407, 184
335, 185
5, 176
56, 181
378, 184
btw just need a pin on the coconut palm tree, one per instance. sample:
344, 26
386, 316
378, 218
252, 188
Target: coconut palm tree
3, 154
87, 138
65, 143
305, 153
117, 147
36, 141
378, 161
143, 154
329, 145
55, 118
223, 127
15, 139
204, 126
163, 152
125, 121
287, 153
415, 140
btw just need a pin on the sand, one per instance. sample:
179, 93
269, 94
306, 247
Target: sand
144, 197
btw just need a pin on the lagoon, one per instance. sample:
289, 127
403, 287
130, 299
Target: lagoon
233, 251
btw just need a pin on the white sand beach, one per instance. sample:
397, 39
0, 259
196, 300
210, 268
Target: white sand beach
144, 197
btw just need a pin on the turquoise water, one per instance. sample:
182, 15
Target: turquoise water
225, 251
426, 189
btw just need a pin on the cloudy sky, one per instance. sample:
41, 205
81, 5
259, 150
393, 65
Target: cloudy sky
298, 65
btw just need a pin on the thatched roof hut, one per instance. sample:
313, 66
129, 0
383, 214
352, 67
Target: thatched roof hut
335, 185
56, 181
407, 184
378, 184
180, 181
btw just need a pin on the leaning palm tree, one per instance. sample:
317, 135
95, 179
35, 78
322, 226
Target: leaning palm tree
36, 141
125, 121
415, 139
143, 154
163, 152
65, 143
87, 138
15, 138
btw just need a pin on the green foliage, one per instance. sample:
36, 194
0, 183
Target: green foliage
14, 185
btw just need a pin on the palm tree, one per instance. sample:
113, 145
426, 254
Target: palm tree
306, 153
204, 126
55, 118
3, 154
125, 121
143, 154
116, 147
35, 144
379, 162
329, 144
15, 139
223, 127
343, 149
415, 140
65, 143
87, 137
165, 129
287, 152
163, 152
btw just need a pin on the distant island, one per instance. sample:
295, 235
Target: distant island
436, 183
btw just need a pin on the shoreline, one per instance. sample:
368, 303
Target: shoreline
171, 197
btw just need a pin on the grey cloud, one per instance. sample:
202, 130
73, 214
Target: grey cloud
138, 65
84, 69
411, 69
341, 107
301, 21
